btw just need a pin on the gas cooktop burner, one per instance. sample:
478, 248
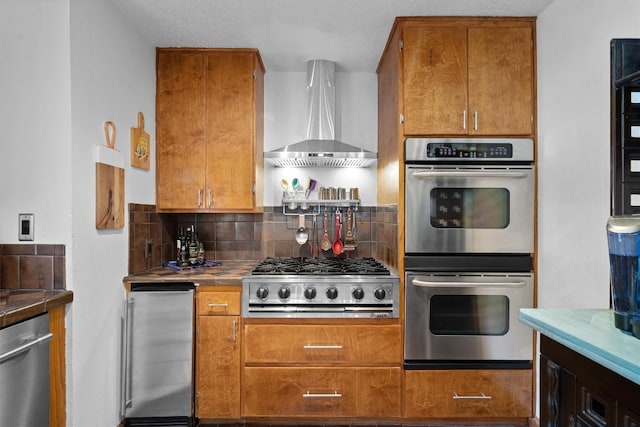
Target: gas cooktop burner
302, 266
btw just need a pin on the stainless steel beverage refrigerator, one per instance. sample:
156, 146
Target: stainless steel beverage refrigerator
157, 356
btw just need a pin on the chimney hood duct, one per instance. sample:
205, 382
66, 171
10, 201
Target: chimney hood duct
320, 149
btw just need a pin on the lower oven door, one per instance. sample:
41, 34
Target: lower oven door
467, 317
469, 209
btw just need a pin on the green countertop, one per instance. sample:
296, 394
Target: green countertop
591, 333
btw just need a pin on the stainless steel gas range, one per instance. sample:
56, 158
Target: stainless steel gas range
320, 287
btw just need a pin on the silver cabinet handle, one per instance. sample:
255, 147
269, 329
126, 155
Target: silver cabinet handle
219, 304
469, 174
475, 121
199, 197
209, 198
233, 332
334, 395
322, 347
480, 397
466, 284
25, 347
464, 119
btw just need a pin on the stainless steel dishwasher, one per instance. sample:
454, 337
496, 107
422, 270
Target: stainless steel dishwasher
24, 373
157, 356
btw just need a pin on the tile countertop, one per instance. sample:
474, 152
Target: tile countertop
591, 333
20, 304
227, 273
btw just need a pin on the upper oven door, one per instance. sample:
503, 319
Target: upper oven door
469, 209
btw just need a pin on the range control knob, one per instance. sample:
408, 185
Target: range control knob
284, 292
310, 293
262, 292
332, 292
379, 293
358, 293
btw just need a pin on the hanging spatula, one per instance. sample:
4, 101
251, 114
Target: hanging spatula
349, 240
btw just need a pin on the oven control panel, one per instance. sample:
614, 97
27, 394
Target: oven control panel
469, 150
309, 297
428, 150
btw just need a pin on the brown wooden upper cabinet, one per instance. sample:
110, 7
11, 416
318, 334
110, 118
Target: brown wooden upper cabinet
209, 130
467, 77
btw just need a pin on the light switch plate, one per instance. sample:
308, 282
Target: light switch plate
25, 226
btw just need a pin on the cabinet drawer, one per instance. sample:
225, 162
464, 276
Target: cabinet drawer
316, 344
325, 392
469, 393
218, 303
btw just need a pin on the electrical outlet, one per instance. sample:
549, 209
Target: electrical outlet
148, 247
25, 226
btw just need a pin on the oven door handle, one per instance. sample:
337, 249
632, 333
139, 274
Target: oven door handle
470, 174
437, 284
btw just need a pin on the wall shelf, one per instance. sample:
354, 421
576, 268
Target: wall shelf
302, 206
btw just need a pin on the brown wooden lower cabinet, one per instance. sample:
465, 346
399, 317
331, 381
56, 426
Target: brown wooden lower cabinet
469, 394
218, 341
322, 392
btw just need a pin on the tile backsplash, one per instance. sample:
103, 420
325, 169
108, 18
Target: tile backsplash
32, 266
251, 236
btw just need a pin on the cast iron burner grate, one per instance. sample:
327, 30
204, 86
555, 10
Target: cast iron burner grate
302, 266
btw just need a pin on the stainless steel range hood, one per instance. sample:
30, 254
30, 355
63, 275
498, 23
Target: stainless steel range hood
320, 149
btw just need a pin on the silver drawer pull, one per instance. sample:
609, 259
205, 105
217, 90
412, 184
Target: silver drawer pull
335, 394
481, 397
214, 305
322, 347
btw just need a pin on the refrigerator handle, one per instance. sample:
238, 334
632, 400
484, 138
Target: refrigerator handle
127, 337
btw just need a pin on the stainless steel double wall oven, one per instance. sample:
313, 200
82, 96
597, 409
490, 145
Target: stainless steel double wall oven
469, 239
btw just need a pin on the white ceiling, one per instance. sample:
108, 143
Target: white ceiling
288, 33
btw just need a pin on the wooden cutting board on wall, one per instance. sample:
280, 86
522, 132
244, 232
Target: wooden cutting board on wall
140, 145
109, 182
109, 197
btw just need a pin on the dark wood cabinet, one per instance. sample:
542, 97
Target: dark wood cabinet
625, 126
577, 392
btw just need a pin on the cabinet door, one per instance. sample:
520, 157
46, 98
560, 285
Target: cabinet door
231, 140
627, 417
435, 80
180, 127
500, 67
557, 395
218, 367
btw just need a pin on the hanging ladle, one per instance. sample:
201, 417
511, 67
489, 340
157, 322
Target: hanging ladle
302, 235
337, 244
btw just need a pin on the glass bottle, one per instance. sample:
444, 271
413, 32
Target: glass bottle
193, 247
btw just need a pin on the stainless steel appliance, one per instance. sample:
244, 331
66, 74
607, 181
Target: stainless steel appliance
321, 148
469, 239
467, 317
24, 373
157, 374
468, 196
320, 287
